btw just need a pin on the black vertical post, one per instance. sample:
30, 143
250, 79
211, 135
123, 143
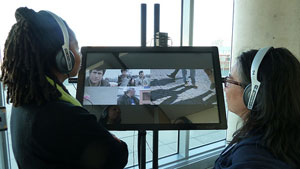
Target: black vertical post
155, 132
155, 149
142, 149
142, 133
143, 24
156, 21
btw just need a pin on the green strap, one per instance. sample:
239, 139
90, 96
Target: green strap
64, 95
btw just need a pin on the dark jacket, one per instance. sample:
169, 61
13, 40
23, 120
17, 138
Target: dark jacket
59, 135
249, 154
124, 80
126, 100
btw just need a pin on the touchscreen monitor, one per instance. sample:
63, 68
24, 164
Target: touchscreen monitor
133, 88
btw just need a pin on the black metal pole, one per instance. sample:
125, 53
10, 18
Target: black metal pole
155, 132
143, 24
156, 21
142, 133
155, 149
142, 149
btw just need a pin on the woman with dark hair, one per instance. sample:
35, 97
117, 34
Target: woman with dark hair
49, 128
110, 115
270, 135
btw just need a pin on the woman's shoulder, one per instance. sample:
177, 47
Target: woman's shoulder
251, 153
64, 106
251, 148
60, 113
52, 107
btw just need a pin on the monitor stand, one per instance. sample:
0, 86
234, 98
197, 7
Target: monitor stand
142, 133
142, 149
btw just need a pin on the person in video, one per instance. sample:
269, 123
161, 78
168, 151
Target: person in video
192, 76
128, 98
95, 78
131, 82
50, 128
124, 78
173, 74
269, 137
111, 115
142, 80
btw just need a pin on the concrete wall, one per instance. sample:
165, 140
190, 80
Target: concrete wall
259, 23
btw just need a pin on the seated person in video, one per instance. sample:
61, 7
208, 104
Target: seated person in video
142, 80
111, 115
124, 79
49, 128
128, 98
95, 78
269, 137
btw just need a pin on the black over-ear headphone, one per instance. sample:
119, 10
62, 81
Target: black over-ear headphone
252, 89
65, 59
103, 116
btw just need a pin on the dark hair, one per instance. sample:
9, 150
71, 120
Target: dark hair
276, 114
129, 89
98, 69
105, 114
29, 57
140, 72
123, 70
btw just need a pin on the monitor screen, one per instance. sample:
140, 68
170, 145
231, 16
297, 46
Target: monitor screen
144, 88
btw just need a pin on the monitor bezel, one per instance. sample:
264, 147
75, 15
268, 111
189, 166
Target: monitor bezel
196, 126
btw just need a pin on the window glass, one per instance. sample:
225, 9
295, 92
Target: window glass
213, 27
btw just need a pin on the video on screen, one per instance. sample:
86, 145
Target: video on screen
149, 87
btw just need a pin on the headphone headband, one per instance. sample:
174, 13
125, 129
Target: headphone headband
65, 46
255, 84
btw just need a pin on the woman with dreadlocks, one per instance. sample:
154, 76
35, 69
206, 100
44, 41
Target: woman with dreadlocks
49, 127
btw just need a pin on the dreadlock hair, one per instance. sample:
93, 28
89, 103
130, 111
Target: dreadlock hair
29, 56
276, 112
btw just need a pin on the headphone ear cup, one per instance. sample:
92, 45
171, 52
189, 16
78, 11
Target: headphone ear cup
61, 62
104, 115
246, 94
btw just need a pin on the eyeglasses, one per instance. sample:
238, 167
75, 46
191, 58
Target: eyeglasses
226, 80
